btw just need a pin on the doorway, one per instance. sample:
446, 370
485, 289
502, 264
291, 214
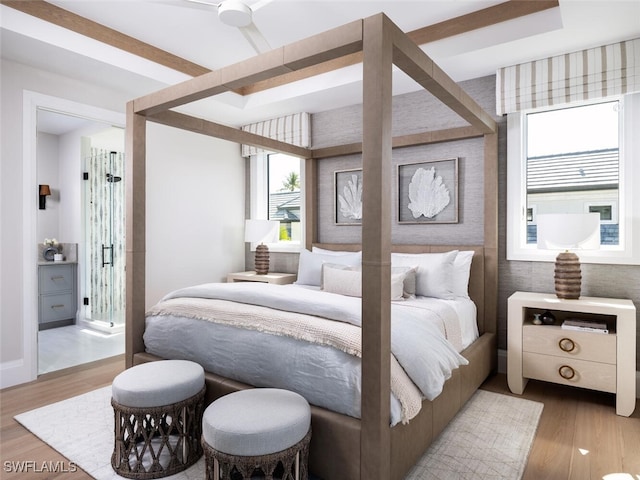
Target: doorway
74, 209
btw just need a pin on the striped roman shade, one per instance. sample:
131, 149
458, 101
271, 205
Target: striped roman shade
293, 129
587, 74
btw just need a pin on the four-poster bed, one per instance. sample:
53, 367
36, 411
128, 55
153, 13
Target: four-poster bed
343, 446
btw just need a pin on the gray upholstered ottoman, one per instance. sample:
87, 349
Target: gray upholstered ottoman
260, 431
158, 418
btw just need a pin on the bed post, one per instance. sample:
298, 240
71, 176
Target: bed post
310, 202
375, 436
490, 232
135, 151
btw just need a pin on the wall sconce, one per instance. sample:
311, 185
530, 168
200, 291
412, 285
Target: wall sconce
43, 192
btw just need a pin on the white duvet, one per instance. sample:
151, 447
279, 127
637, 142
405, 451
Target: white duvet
291, 343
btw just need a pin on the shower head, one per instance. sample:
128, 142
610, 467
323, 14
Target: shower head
113, 179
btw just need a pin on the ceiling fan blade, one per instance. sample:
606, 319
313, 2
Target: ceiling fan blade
259, 4
200, 4
255, 38
205, 2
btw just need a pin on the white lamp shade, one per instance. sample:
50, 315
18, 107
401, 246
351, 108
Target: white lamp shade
568, 231
261, 231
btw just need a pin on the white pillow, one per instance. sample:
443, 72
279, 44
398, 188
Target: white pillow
310, 265
348, 281
461, 270
327, 265
409, 283
398, 283
331, 252
434, 276
342, 281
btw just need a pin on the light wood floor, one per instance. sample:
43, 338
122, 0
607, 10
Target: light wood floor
18, 445
579, 437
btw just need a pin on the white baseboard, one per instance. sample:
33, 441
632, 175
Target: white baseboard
13, 373
502, 368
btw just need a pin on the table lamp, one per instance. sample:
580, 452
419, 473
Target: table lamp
568, 231
261, 231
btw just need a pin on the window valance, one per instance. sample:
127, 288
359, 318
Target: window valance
294, 129
587, 74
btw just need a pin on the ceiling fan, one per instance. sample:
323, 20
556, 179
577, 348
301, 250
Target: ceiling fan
237, 13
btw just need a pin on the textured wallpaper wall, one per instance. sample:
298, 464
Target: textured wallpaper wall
418, 112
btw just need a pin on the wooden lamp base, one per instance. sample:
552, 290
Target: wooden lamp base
262, 259
568, 277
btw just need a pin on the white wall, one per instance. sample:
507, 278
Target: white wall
179, 199
48, 173
195, 210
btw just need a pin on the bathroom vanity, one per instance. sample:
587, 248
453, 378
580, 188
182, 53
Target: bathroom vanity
57, 294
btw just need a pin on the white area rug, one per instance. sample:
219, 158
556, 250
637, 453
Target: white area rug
490, 438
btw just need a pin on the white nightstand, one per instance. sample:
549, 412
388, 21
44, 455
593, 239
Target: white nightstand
271, 277
598, 361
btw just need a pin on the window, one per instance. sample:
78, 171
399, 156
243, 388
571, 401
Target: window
574, 159
285, 195
277, 194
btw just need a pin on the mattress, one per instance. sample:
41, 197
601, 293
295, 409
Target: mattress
265, 354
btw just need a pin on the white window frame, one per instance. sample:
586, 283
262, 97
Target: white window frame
627, 252
259, 201
604, 203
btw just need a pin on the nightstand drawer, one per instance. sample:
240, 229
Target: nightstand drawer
584, 374
57, 307
56, 278
596, 347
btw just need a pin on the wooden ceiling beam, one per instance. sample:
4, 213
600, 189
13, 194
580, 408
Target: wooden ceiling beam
76, 23
502, 12
331, 44
486, 17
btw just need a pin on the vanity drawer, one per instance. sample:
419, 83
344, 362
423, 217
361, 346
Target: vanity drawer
551, 340
56, 278
585, 374
57, 307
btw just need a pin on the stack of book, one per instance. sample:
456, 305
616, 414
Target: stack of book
585, 325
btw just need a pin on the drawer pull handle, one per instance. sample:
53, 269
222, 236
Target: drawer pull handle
566, 345
566, 372
58, 306
57, 277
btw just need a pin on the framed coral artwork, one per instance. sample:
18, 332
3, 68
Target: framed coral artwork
348, 197
428, 192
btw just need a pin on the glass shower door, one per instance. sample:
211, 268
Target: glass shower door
105, 239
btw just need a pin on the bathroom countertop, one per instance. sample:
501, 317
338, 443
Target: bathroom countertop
64, 262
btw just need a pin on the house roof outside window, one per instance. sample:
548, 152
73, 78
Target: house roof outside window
284, 206
594, 170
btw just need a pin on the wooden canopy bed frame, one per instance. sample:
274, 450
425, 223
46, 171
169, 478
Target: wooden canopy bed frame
342, 447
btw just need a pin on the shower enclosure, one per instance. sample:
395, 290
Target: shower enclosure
104, 277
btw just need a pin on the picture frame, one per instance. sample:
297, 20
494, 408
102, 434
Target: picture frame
348, 197
428, 192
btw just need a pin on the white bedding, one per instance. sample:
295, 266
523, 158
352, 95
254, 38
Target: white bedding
464, 308
266, 354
